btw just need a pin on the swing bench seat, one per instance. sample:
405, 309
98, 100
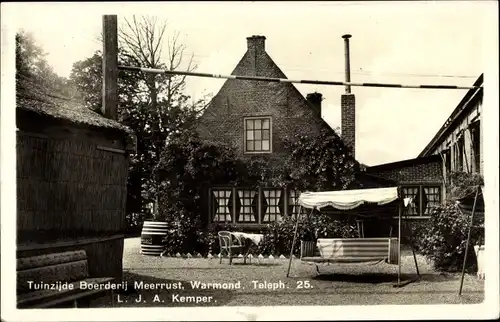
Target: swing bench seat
350, 250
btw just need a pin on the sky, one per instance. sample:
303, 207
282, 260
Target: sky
409, 43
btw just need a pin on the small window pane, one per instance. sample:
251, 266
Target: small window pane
258, 134
249, 124
273, 211
412, 192
431, 198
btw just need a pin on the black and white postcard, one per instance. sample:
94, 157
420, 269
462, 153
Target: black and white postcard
249, 160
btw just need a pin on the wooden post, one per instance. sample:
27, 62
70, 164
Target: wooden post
468, 240
110, 66
408, 228
399, 242
293, 241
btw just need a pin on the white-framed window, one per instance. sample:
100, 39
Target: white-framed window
413, 193
258, 134
247, 199
246, 205
272, 205
222, 205
432, 198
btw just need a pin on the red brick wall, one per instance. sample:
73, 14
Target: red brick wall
348, 119
291, 113
412, 173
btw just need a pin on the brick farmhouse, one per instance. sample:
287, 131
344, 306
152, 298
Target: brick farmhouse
255, 117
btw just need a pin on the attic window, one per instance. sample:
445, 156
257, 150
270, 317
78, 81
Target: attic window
258, 135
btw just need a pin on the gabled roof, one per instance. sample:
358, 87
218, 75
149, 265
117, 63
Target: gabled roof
462, 107
271, 70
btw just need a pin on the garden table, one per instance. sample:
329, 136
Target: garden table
249, 240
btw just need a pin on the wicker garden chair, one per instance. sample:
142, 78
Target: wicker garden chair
231, 244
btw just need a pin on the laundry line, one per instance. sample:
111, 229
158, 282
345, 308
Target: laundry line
285, 80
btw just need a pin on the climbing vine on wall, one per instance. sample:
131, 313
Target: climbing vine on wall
189, 165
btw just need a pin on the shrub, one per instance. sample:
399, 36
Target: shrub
462, 184
278, 236
445, 236
277, 240
187, 166
134, 223
320, 162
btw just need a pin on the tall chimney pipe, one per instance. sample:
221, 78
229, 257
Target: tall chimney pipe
347, 63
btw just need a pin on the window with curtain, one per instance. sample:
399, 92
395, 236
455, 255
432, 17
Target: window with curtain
432, 197
272, 207
413, 193
258, 134
424, 198
241, 205
222, 202
247, 206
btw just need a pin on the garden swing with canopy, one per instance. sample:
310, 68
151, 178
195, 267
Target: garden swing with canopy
354, 250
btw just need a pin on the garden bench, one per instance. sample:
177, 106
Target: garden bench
350, 250
56, 269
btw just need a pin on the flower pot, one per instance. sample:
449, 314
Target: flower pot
152, 235
480, 260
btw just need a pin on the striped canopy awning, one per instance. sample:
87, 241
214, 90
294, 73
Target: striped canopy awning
349, 199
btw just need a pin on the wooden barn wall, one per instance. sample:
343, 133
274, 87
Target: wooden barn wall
104, 255
71, 192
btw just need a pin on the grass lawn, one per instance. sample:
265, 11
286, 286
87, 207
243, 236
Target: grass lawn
337, 284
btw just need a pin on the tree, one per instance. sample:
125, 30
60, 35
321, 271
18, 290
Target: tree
86, 75
33, 72
143, 38
28, 54
154, 106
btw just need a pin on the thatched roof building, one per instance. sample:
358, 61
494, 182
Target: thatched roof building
72, 168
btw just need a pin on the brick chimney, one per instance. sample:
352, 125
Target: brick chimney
348, 105
348, 127
315, 100
256, 45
